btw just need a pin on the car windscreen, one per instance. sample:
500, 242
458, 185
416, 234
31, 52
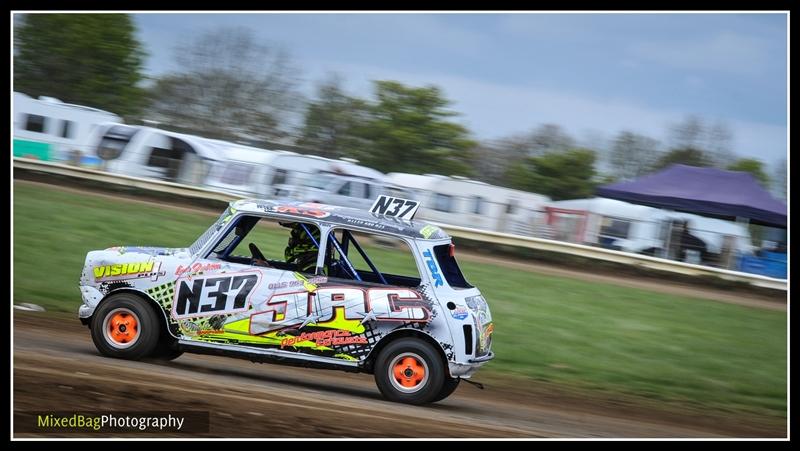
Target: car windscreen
203, 239
447, 261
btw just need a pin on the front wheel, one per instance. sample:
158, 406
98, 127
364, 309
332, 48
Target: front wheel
410, 370
126, 327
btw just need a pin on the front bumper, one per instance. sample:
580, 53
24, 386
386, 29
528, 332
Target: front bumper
466, 370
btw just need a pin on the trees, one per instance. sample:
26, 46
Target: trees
229, 87
632, 155
754, 167
409, 131
333, 122
688, 156
779, 178
86, 59
560, 175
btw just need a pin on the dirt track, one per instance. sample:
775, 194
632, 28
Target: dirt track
56, 367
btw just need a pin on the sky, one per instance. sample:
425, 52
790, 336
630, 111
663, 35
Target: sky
592, 74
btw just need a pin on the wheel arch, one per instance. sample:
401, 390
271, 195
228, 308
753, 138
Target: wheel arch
369, 361
152, 302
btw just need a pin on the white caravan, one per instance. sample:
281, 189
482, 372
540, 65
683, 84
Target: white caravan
249, 172
343, 182
155, 153
48, 129
470, 203
638, 228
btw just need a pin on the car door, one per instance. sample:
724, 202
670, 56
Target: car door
230, 302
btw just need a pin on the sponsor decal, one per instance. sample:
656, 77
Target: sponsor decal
428, 230
331, 337
197, 267
134, 270
301, 281
202, 296
459, 313
302, 210
339, 307
433, 268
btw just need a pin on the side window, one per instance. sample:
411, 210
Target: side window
391, 257
35, 123
345, 189
162, 158
615, 228
265, 242
368, 191
511, 207
477, 205
280, 177
67, 129
443, 202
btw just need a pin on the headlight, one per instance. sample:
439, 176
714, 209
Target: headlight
477, 304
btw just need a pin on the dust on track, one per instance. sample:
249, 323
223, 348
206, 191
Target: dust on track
57, 368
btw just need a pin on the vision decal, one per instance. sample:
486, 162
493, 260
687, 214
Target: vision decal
134, 270
203, 296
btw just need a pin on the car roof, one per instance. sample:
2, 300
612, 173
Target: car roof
351, 217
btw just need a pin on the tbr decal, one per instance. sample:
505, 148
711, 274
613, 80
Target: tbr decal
431, 263
135, 270
226, 293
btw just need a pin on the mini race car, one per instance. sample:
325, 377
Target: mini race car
419, 329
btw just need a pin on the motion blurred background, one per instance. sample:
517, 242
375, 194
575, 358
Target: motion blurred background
662, 135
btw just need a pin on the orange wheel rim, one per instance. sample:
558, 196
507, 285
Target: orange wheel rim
409, 372
121, 328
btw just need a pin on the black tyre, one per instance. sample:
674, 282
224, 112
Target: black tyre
450, 385
409, 370
167, 348
126, 327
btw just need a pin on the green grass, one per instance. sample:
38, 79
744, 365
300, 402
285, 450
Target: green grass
586, 336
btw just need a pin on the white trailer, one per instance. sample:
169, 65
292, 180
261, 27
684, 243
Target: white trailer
48, 129
642, 229
155, 153
342, 182
471, 203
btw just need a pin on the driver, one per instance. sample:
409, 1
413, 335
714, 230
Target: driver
301, 249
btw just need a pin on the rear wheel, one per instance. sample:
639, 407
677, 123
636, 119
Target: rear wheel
449, 386
125, 326
410, 370
167, 348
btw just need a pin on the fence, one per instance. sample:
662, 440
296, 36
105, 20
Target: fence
531, 242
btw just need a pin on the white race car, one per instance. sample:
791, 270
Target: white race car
419, 333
